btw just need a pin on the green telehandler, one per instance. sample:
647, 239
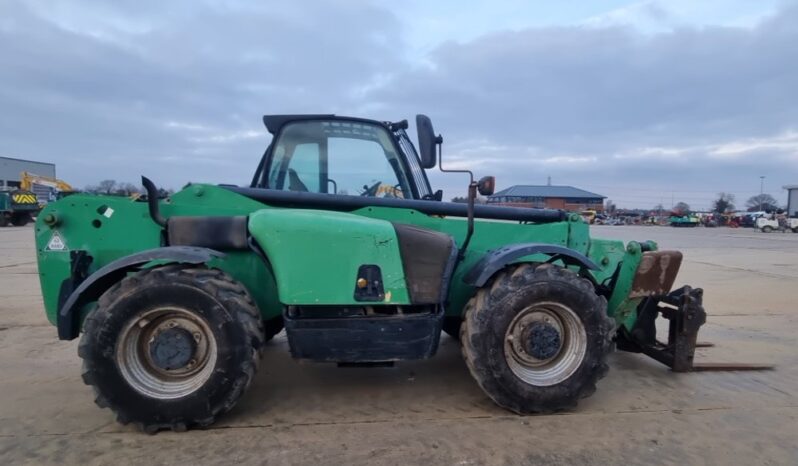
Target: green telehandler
340, 240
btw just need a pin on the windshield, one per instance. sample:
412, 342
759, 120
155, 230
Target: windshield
338, 157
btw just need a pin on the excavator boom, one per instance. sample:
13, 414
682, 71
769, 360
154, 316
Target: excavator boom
27, 180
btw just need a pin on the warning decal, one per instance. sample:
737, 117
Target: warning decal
56, 243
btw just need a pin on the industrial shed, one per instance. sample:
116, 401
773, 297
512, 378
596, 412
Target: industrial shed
548, 196
11, 168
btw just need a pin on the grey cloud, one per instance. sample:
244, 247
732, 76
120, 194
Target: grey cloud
181, 91
177, 90
604, 95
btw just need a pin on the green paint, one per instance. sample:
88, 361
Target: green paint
314, 254
620, 306
128, 229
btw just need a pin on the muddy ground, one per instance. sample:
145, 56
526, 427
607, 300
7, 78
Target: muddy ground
430, 412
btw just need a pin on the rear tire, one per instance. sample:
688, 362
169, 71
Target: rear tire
3, 220
767, 229
536, 338
171, 347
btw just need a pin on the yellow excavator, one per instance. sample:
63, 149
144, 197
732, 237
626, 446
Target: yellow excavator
28, 180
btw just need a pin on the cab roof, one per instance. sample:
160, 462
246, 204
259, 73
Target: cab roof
275, 122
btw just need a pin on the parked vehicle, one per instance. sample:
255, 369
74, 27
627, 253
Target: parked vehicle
768, 224
175, 297
17, 207
589, 216
684, 220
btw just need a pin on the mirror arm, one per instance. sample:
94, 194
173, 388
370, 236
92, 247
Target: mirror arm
439, 143
472, 196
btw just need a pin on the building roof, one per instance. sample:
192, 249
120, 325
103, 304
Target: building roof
524, 190
27, 161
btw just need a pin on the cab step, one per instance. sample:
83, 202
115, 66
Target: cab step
364, 338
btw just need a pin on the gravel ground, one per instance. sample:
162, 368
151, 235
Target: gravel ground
431, 411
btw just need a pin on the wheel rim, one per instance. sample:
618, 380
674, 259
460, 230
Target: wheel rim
545, 344
166, 353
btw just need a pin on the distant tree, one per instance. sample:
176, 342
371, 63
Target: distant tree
106, 186
113, 187
682, 207
724, 203
762, 202
609, 207
126, 189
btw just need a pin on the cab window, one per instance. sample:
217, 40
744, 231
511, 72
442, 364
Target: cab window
337, 157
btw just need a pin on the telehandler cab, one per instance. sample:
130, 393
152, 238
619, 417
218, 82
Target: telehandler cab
340, 240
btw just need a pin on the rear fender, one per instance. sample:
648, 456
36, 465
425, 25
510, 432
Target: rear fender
75, 294
318, 257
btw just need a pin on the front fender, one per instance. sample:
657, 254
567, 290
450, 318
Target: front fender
480, 273
90, 289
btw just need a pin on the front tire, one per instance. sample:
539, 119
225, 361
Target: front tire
767, 229
171, 347
536, 338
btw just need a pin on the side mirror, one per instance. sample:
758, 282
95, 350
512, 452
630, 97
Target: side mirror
427, 141
486, 185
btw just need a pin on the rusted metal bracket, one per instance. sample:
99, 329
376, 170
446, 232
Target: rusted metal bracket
685, 312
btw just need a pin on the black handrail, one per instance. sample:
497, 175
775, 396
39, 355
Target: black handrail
342, 202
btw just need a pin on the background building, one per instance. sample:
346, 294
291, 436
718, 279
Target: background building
11, 168
547, 196
792, 200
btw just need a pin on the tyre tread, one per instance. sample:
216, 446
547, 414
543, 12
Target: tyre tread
479, 310
224, 289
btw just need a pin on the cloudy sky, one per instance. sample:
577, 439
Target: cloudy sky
644, 102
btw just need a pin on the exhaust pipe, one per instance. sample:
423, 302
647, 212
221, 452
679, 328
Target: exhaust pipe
152, 201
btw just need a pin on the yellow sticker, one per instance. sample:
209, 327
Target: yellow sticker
24, 199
